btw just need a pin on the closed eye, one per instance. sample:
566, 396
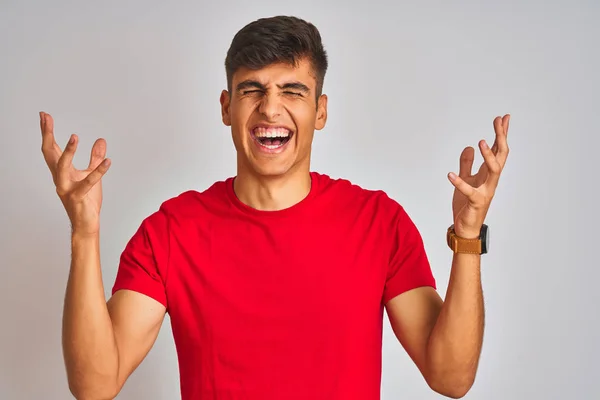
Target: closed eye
293, 93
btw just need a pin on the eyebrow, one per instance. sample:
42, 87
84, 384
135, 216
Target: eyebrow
296, 86
252, 84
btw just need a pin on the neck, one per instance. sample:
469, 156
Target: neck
272, 193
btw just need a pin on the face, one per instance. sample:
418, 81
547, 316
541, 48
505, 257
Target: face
273, 113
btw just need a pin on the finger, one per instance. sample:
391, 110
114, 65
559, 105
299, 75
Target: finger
495, 147
503, 123
66, 159
501, 128
98, 154
461, 185
92, 179
466, 162
48, 139
483, 168
493, 166
482, 171
50, 148
506, 123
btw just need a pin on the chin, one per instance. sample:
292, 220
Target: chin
270, 151
271, 169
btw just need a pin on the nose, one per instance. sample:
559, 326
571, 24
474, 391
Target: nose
270, 106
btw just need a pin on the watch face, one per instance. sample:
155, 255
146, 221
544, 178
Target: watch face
485, 239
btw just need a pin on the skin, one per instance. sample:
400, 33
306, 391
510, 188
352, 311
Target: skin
104, 342
444, 338
277, 95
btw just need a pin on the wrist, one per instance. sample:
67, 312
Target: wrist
467, 233
83, 236
468, 241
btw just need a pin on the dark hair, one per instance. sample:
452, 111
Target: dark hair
277, 39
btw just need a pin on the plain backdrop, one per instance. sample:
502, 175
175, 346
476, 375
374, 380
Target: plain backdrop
410, 85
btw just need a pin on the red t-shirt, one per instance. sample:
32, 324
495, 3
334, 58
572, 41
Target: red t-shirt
274, 305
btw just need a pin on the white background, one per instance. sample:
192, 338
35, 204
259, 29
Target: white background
410, 85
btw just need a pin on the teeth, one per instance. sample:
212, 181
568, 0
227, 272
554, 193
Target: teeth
271, 133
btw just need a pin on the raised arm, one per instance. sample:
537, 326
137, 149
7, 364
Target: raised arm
444, 339
102, 342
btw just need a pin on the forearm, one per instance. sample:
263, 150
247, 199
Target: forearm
89, 346
455, 343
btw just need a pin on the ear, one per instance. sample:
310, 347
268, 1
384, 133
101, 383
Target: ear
321, 112
225, 104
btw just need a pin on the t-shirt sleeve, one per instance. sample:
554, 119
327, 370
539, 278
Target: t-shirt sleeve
143, 262
409, 266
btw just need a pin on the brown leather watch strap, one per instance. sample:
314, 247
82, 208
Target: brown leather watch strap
461, 245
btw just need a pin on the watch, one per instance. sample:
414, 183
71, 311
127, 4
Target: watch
479, 245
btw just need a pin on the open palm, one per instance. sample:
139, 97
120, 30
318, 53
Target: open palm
473, 193
79, 190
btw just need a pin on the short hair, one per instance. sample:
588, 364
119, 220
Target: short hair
279, 39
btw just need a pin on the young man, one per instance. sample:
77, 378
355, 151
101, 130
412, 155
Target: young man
275, 279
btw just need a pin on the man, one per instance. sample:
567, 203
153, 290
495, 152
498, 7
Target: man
275, 279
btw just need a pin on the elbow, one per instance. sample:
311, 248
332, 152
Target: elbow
92, 395
92, 382
452, 387
455, 393
92, 391
86, 394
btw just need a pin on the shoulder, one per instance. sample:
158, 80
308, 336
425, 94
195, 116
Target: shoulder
349, 194
191, 203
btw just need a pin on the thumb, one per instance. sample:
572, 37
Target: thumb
86, 184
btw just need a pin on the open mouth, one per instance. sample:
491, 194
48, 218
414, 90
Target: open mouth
272, 138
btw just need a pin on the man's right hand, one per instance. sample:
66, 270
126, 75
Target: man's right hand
79, 190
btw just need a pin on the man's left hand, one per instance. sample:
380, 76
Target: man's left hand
473, 194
